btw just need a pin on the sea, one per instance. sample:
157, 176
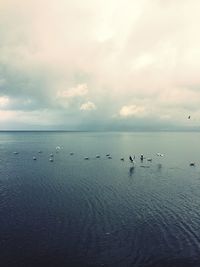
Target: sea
74, 199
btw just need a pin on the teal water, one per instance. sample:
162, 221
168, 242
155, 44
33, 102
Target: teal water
99, 212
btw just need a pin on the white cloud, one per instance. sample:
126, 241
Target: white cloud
132, 110
88, 106
4, 101
78, 91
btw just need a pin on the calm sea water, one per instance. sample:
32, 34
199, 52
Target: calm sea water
99, 212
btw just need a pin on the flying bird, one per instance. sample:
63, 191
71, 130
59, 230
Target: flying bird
132, 159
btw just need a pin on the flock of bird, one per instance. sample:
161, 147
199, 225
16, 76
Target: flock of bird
132, 159
108, 156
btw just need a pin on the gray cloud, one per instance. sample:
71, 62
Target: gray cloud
139, 61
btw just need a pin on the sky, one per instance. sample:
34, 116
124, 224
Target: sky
99, 65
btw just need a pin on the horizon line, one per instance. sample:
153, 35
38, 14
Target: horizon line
128, 131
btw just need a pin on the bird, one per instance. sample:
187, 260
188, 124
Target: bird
132, 159
86, 158
58, 149
34, 158
189, 117
192, 163
97, 156
160, 155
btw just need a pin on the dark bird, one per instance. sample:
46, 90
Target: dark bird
189, 117
131, 159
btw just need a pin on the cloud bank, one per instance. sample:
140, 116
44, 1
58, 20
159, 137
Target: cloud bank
124, 65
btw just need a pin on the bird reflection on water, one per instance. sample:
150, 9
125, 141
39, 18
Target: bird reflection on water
131, 171
159, 166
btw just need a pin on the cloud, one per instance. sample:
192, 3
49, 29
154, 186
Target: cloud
132, 110
88, 106
79, 90
6, 115
4, 101
137, 59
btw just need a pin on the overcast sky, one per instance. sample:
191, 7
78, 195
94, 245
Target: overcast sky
99, 64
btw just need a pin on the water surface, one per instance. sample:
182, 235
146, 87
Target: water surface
99, 212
